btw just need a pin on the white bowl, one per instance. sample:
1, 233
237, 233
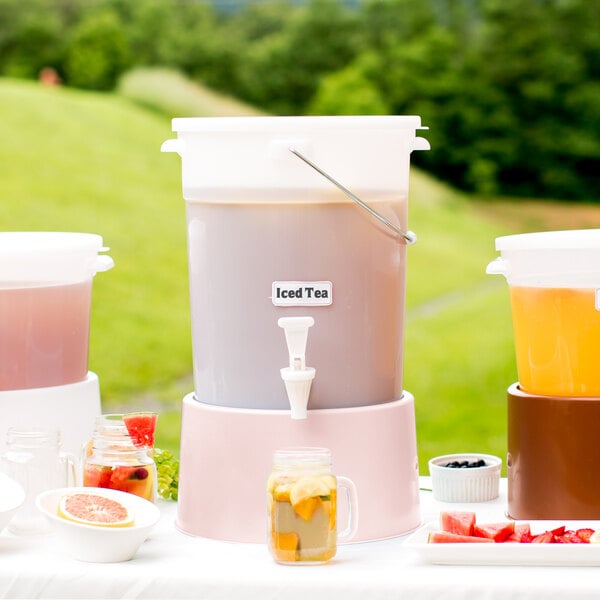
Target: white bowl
93, 543
474, 484
12, 496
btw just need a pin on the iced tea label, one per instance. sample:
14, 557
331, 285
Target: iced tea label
302, 293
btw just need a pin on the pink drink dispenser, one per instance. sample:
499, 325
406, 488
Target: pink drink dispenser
297, 240
45, 300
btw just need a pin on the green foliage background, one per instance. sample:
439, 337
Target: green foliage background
89, 161
510, 88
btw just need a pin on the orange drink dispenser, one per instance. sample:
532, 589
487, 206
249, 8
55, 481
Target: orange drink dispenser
297, 246
554, 286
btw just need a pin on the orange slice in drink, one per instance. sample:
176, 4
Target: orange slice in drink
308, 487
306, 508
281, 493
285, 546
94, 509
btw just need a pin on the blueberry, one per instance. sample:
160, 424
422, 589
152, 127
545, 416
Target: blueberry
465, 464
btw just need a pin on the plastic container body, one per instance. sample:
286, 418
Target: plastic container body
45, 300
269, 237
553, 461
73, 408
554, 283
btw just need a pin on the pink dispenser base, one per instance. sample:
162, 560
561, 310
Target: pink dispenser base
226, 456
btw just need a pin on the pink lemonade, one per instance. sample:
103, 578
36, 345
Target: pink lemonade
44, 334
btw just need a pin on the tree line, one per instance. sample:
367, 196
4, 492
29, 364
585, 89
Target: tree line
509, 88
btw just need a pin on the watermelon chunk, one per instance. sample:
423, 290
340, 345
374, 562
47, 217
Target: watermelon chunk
141, 427
522, 533
445, 537
499, 532
584, 533
457, 522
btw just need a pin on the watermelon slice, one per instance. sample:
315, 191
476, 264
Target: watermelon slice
141, 427
446, 537
461, 522
498, 532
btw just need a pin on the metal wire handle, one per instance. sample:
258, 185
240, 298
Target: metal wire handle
409, 236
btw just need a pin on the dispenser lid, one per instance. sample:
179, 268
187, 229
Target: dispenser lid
551, 240
277, 124
50, 257
253, 154
560, 259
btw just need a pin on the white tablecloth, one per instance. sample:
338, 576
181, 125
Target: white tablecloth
171, 564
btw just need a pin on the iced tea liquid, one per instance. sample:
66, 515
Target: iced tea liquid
242, 241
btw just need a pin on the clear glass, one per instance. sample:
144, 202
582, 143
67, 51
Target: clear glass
33, 458
302, 506
115, 463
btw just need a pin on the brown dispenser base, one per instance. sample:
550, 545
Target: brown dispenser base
553, 457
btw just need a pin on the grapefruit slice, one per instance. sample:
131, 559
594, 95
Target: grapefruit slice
141, 427
94, 509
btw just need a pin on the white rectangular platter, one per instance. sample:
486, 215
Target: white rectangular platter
507, 553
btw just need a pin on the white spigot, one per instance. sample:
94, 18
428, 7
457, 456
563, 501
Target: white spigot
297, 376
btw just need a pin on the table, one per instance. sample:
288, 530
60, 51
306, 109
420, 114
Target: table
171, 564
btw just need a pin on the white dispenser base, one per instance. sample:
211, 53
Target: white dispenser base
72, 408
226, 458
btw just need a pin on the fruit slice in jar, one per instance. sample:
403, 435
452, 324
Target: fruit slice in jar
97, 476
94, 509
308, 487
135, 480
305, 495
306, 508
141, 427
285, 546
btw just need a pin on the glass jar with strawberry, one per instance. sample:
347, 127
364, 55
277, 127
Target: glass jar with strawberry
115, 462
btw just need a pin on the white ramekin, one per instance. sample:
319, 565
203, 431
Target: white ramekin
474, 484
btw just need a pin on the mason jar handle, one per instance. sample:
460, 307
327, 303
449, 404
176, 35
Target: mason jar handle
352, 499
70, 462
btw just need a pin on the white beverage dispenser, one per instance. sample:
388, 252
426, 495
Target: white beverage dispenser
297, 242
45, 301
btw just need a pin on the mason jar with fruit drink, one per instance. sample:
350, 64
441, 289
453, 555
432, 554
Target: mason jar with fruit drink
116, 462
302, 506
